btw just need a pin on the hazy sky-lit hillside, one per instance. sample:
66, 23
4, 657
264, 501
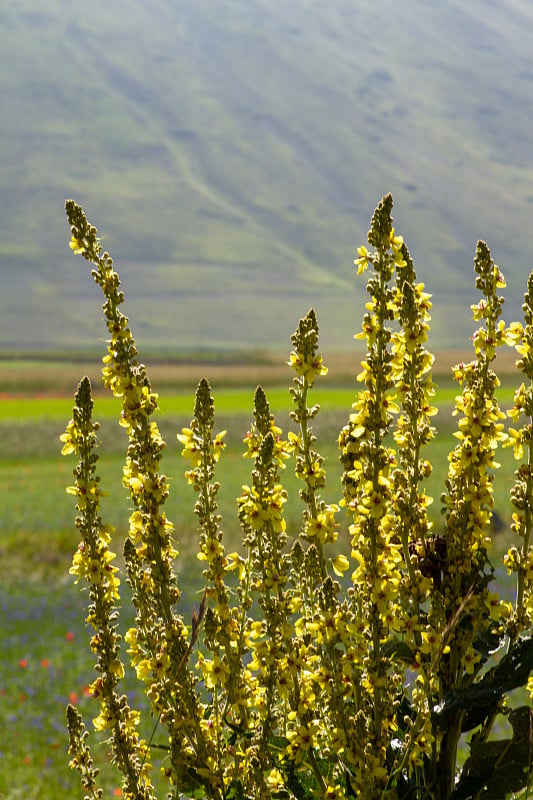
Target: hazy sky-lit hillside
232, 152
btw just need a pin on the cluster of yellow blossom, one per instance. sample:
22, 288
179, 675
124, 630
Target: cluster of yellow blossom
520, 559
369, 495
93, 562
259, 509
305, 359
307, 366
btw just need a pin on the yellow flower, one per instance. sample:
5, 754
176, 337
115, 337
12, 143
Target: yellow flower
323, 528
375, 504
334, 793
211, 550
300, 740
515, 440
105, 720
215, 672
191, 446
430, 641
340, 564
514, 333
71, 438
369, 329
362, 262
143, 669
218, 445
470, 659
160, 664
396, 243
235, 561
116, 668
414, 337
77, 246
497, 608
309, 366
275, 781
313, 474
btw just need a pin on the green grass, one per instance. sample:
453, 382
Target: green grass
237, 401
228, 401
36, 519
46, 663
45, 660
37, 516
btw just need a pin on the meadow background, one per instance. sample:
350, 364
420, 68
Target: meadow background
45, 660
230, 153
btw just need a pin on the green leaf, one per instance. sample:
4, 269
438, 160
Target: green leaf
480, 699
495, 769
235, 791
397, 649
513, 670
487, 643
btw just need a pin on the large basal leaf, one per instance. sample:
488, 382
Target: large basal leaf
495, 769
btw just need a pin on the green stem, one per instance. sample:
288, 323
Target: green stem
306, 448
521, 583
374, 532
448, 756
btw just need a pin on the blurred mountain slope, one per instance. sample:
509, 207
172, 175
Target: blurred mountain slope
232, 152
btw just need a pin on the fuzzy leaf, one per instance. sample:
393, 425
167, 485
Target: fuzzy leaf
495, 769
395, 648
480, 699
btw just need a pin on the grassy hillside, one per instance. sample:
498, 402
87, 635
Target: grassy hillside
232, 153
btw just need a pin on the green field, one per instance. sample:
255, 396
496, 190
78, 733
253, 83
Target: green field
45, 660
235, 401
37, 515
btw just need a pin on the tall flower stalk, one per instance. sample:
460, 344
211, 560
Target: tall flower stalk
264, 535
411, 369
464, 611
320, 525
93, 563
368, 461
519, 560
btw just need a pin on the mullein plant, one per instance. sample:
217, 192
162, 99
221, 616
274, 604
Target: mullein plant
519, 559
311, 670
382, 492
93, 562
